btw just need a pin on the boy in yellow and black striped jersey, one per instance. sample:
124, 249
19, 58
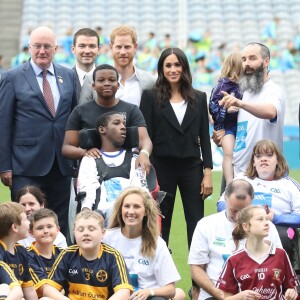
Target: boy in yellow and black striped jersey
10, 287
90, 269
42, 253
14, 227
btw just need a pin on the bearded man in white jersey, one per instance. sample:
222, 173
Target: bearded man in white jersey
261, 111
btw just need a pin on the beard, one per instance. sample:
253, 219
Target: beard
254, 82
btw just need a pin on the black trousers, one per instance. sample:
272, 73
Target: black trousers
187, 175
57, 190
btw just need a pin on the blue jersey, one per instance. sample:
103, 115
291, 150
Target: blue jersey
90, 279
40, 266
18, 262
222, 119
7, 275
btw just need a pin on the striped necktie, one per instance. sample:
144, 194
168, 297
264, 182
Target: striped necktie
48, 96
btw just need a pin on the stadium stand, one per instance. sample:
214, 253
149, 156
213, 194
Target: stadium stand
220, 27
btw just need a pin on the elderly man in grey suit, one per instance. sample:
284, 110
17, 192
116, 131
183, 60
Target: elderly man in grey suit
133, 81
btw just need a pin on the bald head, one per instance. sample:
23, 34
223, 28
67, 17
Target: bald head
238, 194
42, 46
241, 188
42, 31
264, 50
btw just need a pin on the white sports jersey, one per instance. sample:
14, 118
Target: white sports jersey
251, 129
270, 277
282, 196
153, 272
111, 188
212, 244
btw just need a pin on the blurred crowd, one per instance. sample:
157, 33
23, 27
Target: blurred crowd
205, 62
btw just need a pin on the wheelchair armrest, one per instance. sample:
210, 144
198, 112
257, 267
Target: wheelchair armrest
80, 196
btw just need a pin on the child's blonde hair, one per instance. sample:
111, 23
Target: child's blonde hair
87, 214
10, 213
232, 67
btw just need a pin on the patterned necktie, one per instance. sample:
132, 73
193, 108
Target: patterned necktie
48, 96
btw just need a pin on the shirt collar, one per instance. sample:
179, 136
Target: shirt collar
37, 70
134, 76
82, 73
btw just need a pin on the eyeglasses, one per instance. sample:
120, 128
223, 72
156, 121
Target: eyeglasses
39, 46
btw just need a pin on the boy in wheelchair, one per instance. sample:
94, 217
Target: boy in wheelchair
101, 180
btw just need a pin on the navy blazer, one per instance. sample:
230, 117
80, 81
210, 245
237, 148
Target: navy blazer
169, 138
78, 85
30, 136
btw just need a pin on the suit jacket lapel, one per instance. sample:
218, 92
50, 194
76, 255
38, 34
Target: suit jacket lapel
189, 116
78, 85
142, 82
60, 83
31, 78
169, 114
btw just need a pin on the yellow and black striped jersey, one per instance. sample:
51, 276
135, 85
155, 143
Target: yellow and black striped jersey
18, 262
40, 266
90, 279
7, 275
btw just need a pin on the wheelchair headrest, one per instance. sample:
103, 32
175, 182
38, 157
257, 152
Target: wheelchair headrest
89, 138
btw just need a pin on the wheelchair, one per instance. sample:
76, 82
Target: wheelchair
296, 251
89, 138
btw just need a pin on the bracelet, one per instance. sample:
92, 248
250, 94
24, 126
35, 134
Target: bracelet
151, 291
145, 151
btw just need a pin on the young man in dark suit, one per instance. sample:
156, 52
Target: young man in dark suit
86, 48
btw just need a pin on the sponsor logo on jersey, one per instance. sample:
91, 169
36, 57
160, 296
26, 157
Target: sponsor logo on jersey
87, 273
277, 273
101, 275
261, 198
261, 270
77, 292
246, 276
144, 262
87, 270
266, 292
274, 190
73, 271
128, 257
219, 241
241, 136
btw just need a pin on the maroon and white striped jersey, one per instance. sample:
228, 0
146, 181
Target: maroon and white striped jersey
270, 276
